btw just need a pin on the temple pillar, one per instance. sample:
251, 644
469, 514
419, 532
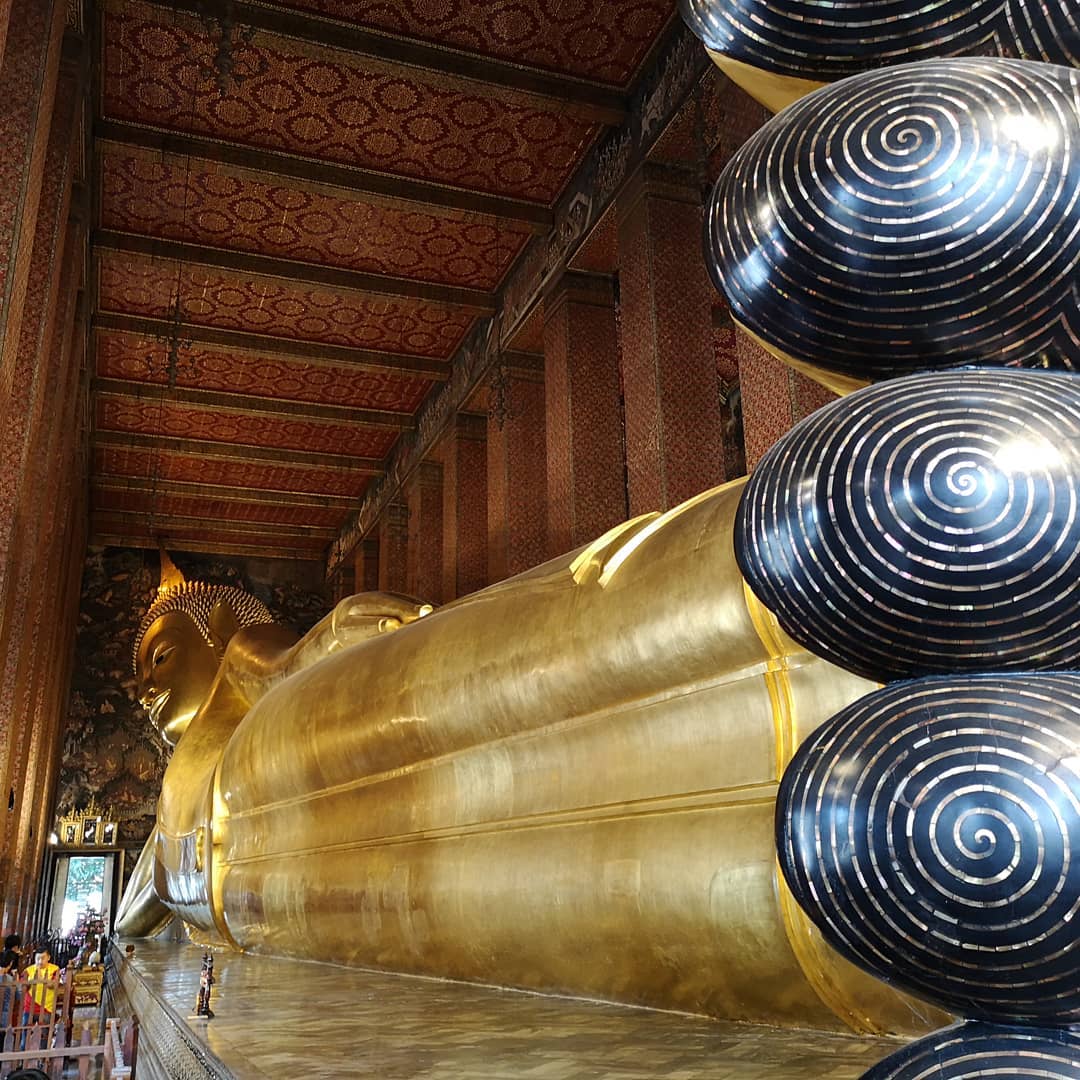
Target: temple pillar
43, 647
366, 565
393, 547
344, 582
5, 15
725, 350
464, 530
586, 464
424, 564
29, 70
516, 467
674, 434
774, 397
41, 275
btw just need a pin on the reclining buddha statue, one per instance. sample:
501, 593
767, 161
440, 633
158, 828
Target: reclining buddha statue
564, 782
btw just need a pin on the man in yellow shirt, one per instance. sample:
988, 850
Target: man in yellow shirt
40, 1000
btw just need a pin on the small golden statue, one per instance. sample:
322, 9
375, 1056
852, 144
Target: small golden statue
563, 782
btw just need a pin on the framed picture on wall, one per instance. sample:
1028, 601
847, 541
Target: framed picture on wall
108, 832
71, 833
91, 830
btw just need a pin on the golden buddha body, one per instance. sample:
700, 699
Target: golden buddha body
564, 782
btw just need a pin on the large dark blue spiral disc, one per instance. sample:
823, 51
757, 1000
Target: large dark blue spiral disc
809, 39
925, 525
918, 217
975, 1051
932, 832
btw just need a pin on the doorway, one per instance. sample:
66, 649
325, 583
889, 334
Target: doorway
83, 888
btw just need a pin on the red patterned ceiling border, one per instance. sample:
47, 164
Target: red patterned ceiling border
166, 522
218, 492
150, 287
100, 537
106, 534
300, 273
163, 505
332, 105
395, 190
177, 419
250, 405
572, 38
270, 479
221, 206
144, 359
581, 97
314, 353
681, 63
241, 452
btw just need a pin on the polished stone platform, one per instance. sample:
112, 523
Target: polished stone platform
283, 1018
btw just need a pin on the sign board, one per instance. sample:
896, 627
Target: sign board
86, 986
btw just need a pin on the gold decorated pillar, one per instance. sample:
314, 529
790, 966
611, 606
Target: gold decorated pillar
516, 466
464, 506
5, 15
344, 581
366, 565
393, 547
36, 383
674, 438
423, 576
586, 462
774, 397
28, 75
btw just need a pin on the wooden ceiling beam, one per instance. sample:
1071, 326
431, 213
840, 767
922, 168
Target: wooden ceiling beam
399, 190
238, 452
218, 492
100, 538
250, 405
309, 352
546, 90
244, 262
253, 528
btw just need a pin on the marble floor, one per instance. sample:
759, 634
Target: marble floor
276, 1018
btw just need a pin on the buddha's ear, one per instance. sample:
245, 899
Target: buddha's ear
223, 624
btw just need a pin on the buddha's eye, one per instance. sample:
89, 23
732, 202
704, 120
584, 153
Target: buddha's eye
162, 655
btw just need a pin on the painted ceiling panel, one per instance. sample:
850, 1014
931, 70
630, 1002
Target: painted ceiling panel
187, 506
600, 41
205, 203
148, 417
192, 469
145, 285
309, 100
211, 535
205, 367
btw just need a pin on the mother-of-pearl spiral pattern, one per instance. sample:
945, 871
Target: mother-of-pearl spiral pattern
918, 217
809, 39
932, 832
924, 525
974, 1051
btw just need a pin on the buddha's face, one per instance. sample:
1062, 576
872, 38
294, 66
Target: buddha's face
175, 667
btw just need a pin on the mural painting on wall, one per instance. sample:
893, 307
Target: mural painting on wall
111, 751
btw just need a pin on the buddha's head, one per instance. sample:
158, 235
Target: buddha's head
181, 642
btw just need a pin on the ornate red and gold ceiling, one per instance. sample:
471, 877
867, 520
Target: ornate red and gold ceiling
568, 36
292, 245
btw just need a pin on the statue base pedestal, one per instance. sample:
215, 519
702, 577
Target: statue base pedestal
287, 1017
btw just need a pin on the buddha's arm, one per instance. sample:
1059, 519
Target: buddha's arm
256, 660
141, 912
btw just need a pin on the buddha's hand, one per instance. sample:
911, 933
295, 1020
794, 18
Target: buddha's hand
365, 615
